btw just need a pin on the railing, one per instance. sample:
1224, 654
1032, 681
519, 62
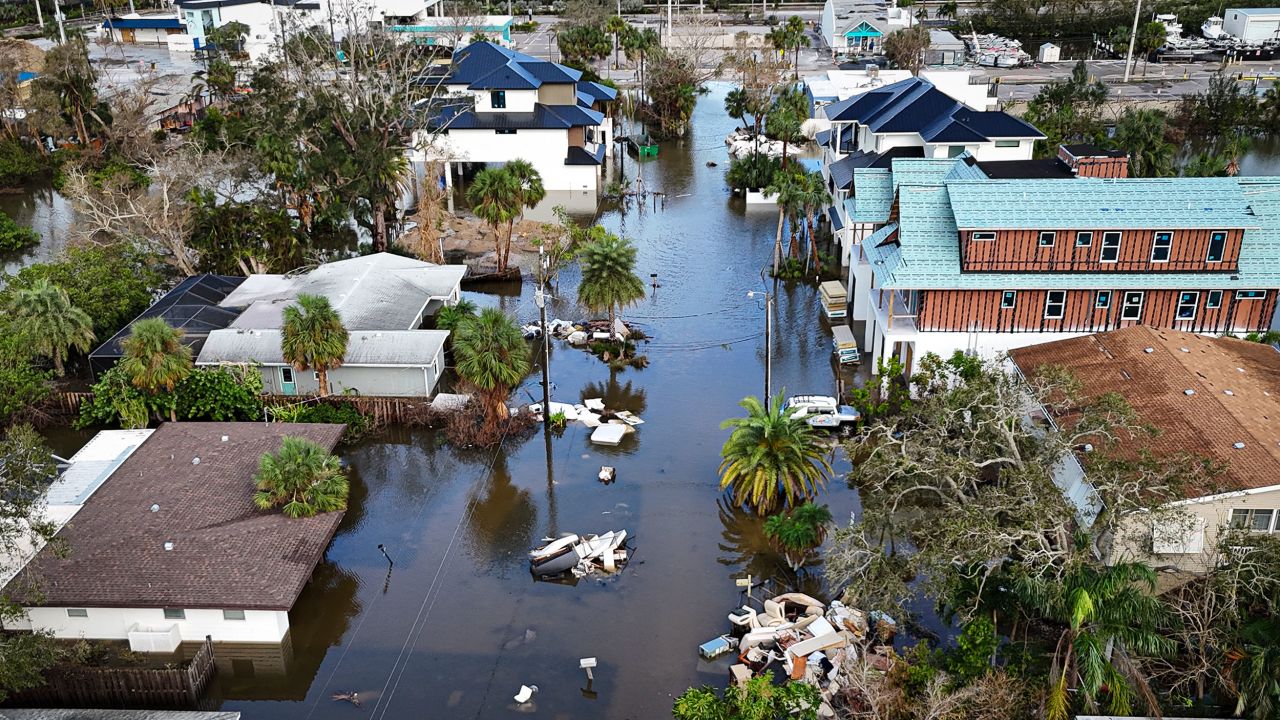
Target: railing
154, 640
123, 687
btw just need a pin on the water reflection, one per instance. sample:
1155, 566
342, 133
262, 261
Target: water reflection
618, 396
744, 545
501, 521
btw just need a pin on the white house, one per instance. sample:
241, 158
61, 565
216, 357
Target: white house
1252, 24
450, 31
136, 29
165, 543
507, 105
858, 27
973, 90
1217, 398
383, 300
266, 20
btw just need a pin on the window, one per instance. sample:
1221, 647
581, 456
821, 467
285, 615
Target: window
1084, 239
286, 374
1132, 309
232, 614
1187, 302
1214, 300
1217, 244
1102, 300
504, 131
77, 612
1006, 143
1160, 247
1046, 238
983, 236
1110, 247
175, 614
1250, 294
498, 99
1008, 299
1054, 304
1256, 520
955, 151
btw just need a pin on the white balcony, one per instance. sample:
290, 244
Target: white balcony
154, 639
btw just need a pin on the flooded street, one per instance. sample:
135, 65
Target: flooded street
458, 624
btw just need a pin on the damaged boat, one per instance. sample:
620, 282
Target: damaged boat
579, 555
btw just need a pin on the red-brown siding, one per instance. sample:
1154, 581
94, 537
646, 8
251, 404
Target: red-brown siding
979, 310
1020, 251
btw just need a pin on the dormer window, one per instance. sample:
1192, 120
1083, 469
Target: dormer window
498, 99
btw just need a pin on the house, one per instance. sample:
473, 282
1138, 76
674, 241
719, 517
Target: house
958, 260
873, 127
383, 300
506, 105
974, 91
858, 27
165, 543
450, 31
136, 29
1252, 25
192, 307
1213, 397
264, 18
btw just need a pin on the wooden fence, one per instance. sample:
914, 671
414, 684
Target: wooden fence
123, 687
68, 403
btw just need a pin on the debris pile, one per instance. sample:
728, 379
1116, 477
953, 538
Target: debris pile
742, 143
579, 555
996, 51
581, 332
815, 643
608, 426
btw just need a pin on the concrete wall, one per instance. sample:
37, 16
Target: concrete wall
408, 381
268, 626
546, 150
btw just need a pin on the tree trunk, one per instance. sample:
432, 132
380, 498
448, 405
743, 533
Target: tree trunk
777, 244
57, 362
784, 153
497, 247
379, 227
808, 262
794, 249
324, 382
613, 318
506, 246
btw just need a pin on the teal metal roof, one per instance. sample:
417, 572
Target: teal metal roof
872, 195
885, 257
929, 257
1099, 203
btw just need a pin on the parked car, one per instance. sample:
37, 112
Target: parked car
822, 411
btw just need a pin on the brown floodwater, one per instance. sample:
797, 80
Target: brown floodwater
458, 625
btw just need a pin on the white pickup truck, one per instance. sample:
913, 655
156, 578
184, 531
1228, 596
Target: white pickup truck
822, 411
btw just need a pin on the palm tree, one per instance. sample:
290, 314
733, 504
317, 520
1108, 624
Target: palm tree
795, 38
617, 26
450, 316
1255, 669
784, 123
302, 479
609, 280
155, 358
48, 323
494, 197
798, 532
1107, 613
1141, 133
787, 191
493, 356
640, 42
813, 198
313, 338
948, 10
771, 459
1235, 149
529, 192
736, 104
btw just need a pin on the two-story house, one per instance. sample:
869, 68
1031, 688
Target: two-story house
508, 105
859, 27
963, 261
910, 118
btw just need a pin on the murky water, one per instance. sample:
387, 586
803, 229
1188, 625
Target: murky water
458, 625
44, 210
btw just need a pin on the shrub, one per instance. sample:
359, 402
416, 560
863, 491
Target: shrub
14, 236
220, 394
327, 412
18, 163
111, 283
753, 171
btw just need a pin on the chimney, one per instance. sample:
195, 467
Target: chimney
1092, 161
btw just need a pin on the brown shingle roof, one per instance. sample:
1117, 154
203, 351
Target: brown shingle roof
1207, 423
226, 554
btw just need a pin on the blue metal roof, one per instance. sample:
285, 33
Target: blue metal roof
144, 23
485, 65
582, 156
602, 93
834, 214
914, 105
1099, 203
543, 117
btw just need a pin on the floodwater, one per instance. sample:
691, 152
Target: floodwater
457, 625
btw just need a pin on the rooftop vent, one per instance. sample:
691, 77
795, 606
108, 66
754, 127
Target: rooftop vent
225, 438
1148, 350
155, 508
168, 545
1185, 350
195, 461
1227, 392
1188, 392
1238, 446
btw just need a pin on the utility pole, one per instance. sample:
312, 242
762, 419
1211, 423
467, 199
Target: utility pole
768, 342
1133, 36
540, 298
57, 14
39, 15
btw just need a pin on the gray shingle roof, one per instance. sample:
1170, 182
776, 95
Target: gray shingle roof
381, 291
226, 554
369, 348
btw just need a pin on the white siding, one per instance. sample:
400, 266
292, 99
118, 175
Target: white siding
521, 101
264, 626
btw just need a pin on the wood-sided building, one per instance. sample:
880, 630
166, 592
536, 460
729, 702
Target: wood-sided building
985, 265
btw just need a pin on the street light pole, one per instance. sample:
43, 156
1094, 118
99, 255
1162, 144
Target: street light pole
1133, 36
39, 15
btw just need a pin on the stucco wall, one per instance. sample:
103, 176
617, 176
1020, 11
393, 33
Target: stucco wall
410, 381
546, 150
517, 101
114, 624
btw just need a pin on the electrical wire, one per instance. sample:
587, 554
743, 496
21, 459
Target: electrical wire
424, 611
